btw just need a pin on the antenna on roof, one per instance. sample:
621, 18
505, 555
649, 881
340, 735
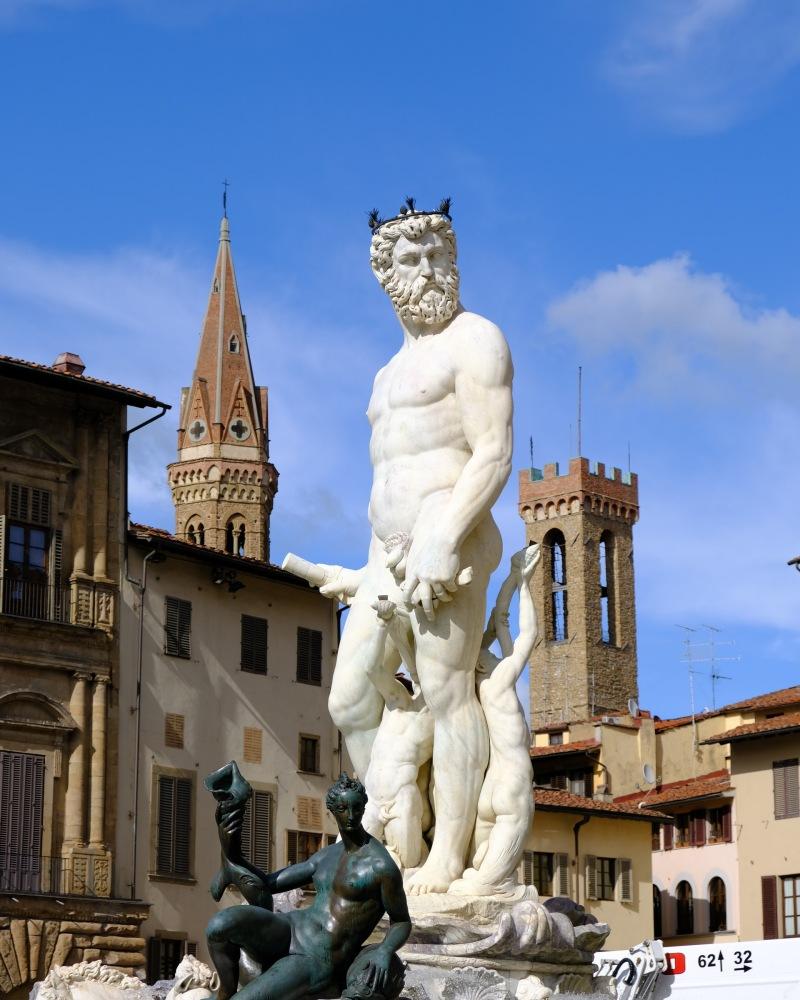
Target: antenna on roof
687, 657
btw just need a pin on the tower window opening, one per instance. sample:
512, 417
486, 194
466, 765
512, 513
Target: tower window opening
685, 908
606, 581
558, 625
229, 538
233, 344
240, 541
190, 534
201, 533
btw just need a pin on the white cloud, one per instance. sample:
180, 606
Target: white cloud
700, 65
682, 328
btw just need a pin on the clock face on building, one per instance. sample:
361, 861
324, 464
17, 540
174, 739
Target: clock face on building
197, 430
239, 429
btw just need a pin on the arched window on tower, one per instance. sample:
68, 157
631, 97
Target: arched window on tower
685, 906
235, 534
240, 541
229, 537
717, 905
607, 589
556, 549
201, 533
190, 534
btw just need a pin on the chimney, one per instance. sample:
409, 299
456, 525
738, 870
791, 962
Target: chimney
69, 363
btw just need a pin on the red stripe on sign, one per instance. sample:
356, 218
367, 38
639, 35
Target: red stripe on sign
676, 963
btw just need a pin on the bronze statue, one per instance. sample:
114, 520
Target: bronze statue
315, 951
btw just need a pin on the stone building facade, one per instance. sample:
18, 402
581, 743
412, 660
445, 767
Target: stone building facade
62, 475
584, 663
223, 483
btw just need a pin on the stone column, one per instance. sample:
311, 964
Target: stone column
74, 808
97, 772
100, 500
79, 522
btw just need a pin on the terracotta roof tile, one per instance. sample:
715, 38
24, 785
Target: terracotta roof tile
558, 748
555, 799
772, 699
141, 398
716, 783
766, 727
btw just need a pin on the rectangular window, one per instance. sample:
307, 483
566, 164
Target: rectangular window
177, 627
555, 739
786, 786
539, 867
309, 753
300, 845
257, 830
682, 831
173, 840
655, 837
791, 905
26, 503
719, 825
164, 955
606, 877
173, 730
253, 744
254, 644
309, 656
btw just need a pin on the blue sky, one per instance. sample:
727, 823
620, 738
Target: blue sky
625, 192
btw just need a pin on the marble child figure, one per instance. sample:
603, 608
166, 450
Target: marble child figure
311, 951
397, 811
505, 807
441, 453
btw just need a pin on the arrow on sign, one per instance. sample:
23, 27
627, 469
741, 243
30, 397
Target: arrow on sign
744, 967
721, 958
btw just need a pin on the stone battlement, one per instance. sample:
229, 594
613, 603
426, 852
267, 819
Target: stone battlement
584, 481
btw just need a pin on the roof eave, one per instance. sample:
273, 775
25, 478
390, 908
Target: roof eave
71, 383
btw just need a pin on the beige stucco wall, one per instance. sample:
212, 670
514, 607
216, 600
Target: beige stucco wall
217, 700
679, 759
766, 846
618, 838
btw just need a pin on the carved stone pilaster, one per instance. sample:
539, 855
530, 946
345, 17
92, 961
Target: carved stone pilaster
104, 607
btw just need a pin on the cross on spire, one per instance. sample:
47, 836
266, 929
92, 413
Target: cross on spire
225, 184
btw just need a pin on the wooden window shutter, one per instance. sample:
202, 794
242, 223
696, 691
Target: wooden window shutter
253, 744
309, 812
669, 833
59, 606
21, 808
26, 503
590, 863
254, 644
257, 830
2, 557
527, 868
173, 730
786, 786
625, 880
769, 906
309, 656
177, 627
698, 829
727, 824
561, 874
174, 836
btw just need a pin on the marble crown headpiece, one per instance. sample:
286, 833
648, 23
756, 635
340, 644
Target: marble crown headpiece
408, 211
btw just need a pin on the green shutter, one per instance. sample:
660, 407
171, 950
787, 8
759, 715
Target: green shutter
254, 644
177, 627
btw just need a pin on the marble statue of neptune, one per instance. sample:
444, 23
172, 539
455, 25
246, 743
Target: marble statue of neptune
441, 442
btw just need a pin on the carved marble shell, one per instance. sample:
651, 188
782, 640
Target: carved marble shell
475, 984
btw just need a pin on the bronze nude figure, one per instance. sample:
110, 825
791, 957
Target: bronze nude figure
316, 951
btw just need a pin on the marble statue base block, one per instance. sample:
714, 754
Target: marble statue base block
485, 948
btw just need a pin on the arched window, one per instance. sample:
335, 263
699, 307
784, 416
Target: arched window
190, 534
556, 549
235, 533
229, 537
685, 902
657, 923
717, 905
201, 533
606, 568
233, 344
240, 541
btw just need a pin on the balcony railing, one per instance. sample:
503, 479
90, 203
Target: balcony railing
41, 600
43, 876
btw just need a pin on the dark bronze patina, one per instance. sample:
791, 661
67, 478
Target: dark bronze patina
316, 951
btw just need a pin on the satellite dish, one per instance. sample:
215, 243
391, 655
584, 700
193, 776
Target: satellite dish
649, 774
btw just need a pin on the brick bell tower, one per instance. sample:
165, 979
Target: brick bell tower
584, 663
223, 483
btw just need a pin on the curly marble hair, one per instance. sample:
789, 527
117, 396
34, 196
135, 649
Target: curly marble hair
413, 228
343, 784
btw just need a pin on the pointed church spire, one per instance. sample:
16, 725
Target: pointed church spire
222, 437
